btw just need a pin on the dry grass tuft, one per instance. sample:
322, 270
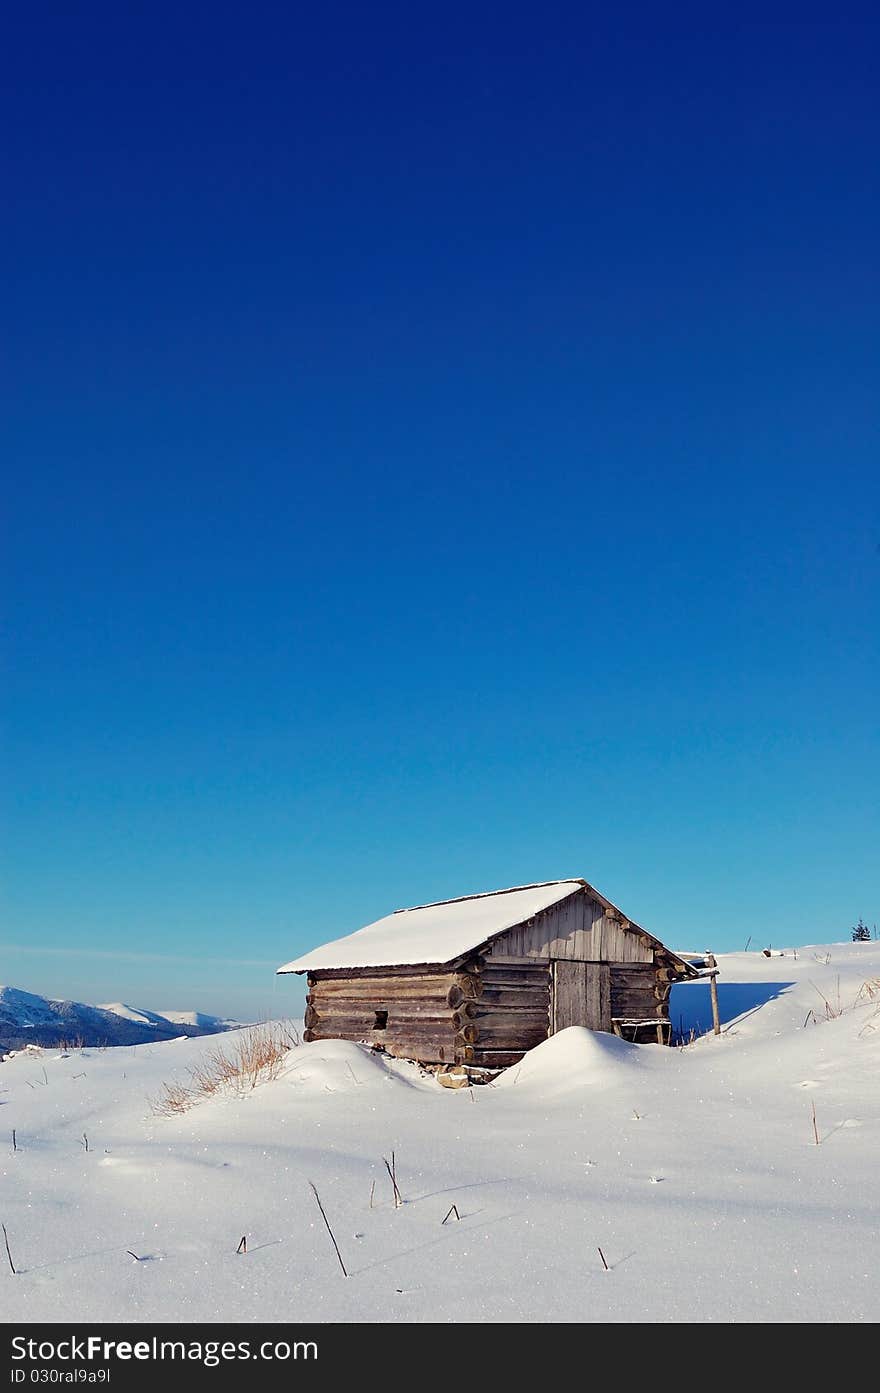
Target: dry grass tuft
175, 1097
255, 1055
870, 991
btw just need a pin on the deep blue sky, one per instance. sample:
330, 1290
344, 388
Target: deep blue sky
441, 453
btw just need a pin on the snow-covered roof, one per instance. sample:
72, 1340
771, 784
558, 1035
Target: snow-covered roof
435, 933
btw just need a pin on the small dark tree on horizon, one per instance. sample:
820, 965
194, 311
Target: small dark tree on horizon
861, 933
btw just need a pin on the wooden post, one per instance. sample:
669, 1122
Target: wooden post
713, 992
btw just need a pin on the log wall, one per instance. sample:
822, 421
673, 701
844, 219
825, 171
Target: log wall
636, 991
419, 1015
483, 1014
511, 1012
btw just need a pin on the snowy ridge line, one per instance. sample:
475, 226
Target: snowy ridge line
26, 1018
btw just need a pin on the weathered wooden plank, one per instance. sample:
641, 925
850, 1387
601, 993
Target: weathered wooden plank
577, 929
394, 1010
635, 1010
330, 974
493, 983
359, 1028
375, 1000
340, 1022
644, 986
510, 1021
507, 1039
598, 997
633, 989
615, 944
514, 963
581, 995
569, 994
409, 1030
496, 1059
510, 995
420, 1047
505, 1001
475, 1011
513, 970
417, 1041
643, 989
369, 988
413, 1006
633, 972
646, 1032
430, 1053
351, 1030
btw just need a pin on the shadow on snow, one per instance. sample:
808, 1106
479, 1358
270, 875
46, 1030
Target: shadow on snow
690, 1008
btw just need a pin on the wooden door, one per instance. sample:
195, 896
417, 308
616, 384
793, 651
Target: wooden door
581, 995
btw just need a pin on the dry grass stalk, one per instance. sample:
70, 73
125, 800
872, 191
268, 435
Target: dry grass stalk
868, 991
389, 1166
815, 1127
174, 1098
329, 1230
602, 1256
453, 1210
8, 1254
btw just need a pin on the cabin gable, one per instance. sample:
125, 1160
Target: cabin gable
581, 928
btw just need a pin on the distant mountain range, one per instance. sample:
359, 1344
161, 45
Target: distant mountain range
26, 1019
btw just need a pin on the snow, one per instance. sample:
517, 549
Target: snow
575, 1058
162, 1018
435, 933
129, 1013
197, 1018
25, 1008
695, 1170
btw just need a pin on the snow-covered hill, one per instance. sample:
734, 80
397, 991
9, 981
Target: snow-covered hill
697, 1171
27, 1019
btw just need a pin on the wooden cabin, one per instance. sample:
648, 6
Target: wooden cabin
481, 979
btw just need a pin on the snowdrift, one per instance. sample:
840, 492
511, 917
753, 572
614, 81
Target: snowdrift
575, 1058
